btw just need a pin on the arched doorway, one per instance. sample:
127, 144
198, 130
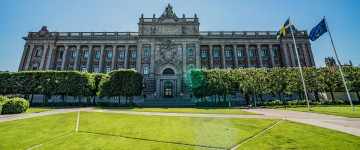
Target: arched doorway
168, 90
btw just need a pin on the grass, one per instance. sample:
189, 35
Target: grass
81, 140
293, 135
200, 110
213, 132
36, 110
26, 133
343, 110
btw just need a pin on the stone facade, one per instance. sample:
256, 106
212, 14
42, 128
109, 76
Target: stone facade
164, 50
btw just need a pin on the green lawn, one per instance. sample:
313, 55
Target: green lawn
344, 111
26, 133
36, 110
81, 140
293, 135
213, 132
200, 110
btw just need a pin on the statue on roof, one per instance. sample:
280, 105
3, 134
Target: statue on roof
168, 14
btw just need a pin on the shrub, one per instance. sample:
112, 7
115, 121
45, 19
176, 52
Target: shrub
15, 106
3, 98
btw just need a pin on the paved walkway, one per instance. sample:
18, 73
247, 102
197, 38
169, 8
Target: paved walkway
343, 124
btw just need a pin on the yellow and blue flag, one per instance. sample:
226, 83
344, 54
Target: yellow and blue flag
318, 30
284, 30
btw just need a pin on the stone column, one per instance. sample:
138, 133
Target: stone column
23, 58
292, 55
247, 55
259, 56
311, 55
43, 55
305, 55
184, 57
101, 63
88, 62
197, 55
236, 62
211, 54
126, 57
27, 65
152, 59
285, 57
138, 58
64, 59
51, 57
76, 64
113, 61
271, 56
223, 56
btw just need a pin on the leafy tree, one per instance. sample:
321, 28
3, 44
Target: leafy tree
330, 80
352, 77
95, 80
5, 83
277, 80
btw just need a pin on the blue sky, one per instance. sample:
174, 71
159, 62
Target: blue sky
18, 17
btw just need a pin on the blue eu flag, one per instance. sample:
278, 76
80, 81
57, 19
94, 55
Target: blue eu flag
318, 30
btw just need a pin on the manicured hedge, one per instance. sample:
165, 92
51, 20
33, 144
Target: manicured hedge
15, 106
299, 102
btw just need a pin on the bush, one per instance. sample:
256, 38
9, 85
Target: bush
15, 106
3, 99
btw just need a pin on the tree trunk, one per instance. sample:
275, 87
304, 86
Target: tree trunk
316, 96
32, 97
119, 100
357, 94
300, 95
94, 97
261, 96
79, 99
126, 99
224, 98
332, 95
219, 99
63, 98
247, 99
279, 96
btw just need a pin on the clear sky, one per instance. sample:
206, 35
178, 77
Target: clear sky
18, 17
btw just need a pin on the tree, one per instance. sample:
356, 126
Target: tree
352, 77
95, 80
330, 80
277, 80
5, 83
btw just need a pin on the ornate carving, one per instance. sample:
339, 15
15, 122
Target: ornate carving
168, 14
153, 29
330, 62
168, 52
43, 32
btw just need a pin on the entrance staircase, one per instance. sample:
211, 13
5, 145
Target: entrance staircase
167, 102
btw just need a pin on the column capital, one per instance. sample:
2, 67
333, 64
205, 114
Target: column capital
127, 46
102, 46
234, 45
258, 46
270, 45
90, 47
114, 47
222, 46
302, 45
78, 46
210, 46
66, 47
246, 46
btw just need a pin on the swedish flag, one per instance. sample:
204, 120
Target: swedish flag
284, 30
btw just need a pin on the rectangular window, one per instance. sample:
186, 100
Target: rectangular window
274, 53
204, 68
252, 67
216, 67
96, 70
34, 68
121, 68
38, 53
133, 54
227, 53
122, 54
83, 69
263, 53
228, 68
86, 53
239, 53
108, 70
73, 54
133, 68
61, 54
109, 54
251, 53
216, 53
241, 67
146, 52
203, 53
145, 70
97, 54
190, 52
298, 51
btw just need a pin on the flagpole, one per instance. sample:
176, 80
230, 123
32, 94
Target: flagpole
297, 55
342, 75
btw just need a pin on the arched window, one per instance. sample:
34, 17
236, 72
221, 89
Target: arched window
168, 71
146, 70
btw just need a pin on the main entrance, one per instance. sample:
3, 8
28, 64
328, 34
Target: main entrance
168, 90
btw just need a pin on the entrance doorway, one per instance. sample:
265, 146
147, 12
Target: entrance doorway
168, 90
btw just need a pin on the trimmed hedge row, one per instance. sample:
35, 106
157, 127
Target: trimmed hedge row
13, 106
299, 102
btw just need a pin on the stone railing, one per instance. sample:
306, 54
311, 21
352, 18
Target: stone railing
245, 33
84, 34
157, 20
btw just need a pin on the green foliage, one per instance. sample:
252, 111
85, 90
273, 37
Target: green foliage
5, 83
299, 102
15, 106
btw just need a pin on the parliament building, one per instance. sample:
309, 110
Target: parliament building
164, 49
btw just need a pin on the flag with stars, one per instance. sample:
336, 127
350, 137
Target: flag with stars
318, 30
284, 30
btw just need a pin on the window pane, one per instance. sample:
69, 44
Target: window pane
121, 68
216, 53
239, 53
274, 53
263, 53
203, 53
190, 52
83, 69
121, 54
133, 54
145, 70
108, 70
109, 54
61, 54
38, 53
96, 70
97, 55
86, 54
146, 53
73, 54
227, 53
251, 53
